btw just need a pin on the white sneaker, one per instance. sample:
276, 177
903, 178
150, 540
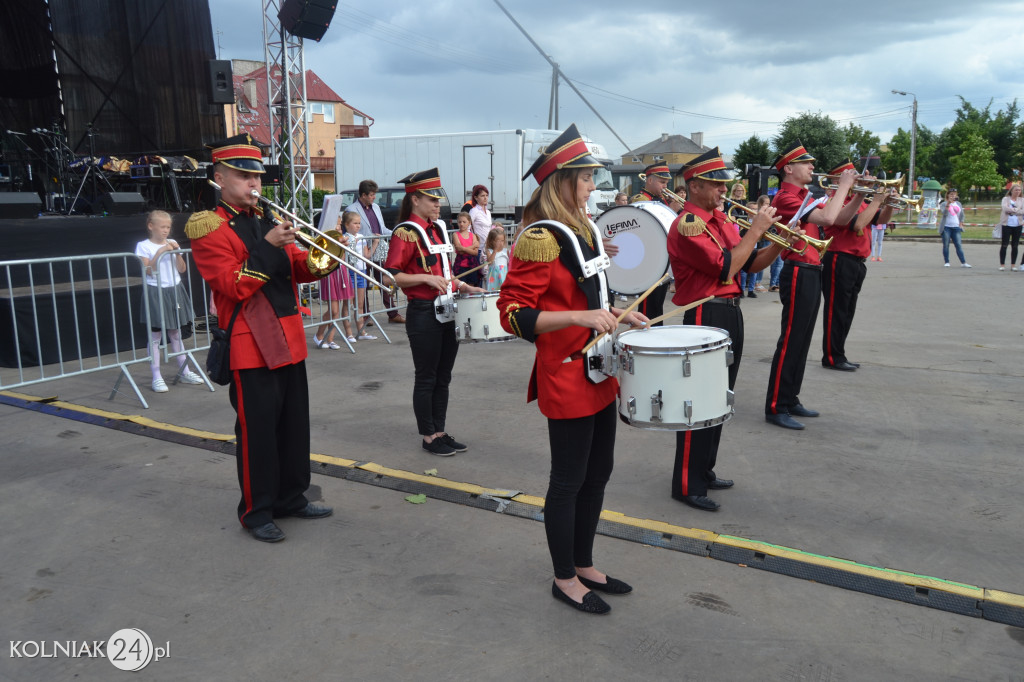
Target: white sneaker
159, 386
965, 265
367, 337
334, 346
1013, 268
190, 377
945, 265
1001, 268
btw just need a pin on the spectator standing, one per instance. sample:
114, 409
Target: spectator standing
621, 199
467, 250
1010, 220
877, 236
373, 224
951, 225
336, 290
497, 259
480, 215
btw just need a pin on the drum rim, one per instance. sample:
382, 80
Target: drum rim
644, 207
664, 350
661, 426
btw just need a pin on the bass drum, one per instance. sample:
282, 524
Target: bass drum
641, 232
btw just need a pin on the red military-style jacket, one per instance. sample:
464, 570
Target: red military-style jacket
699, 251
787, 202
539, 281
230, 251
846, 240
408, 254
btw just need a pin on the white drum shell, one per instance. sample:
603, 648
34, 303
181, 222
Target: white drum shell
640, 231
674, 378
478, 320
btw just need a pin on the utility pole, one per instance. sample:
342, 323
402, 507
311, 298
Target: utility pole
913, 145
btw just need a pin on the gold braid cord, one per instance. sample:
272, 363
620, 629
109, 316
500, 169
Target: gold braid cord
690, 225
537, 245
202, 224
408, 234
512, 309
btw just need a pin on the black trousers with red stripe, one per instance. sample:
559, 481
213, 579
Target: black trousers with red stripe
654, 305
697, 451
841, 278
272, 430
800, 293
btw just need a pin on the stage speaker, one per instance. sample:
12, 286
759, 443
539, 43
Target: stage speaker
306, 18
272, 178
122, 203
222, 90
20, 205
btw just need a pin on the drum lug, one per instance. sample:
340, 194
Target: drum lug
687, 369
631, 406
729, 358
688, 411
656, 406
483, 304
469, 330
458, 332
487, 331
730, 398
626, 362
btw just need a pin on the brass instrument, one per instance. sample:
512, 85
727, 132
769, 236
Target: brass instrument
867, 186
666, 193
324, 248
901, 203
819, 245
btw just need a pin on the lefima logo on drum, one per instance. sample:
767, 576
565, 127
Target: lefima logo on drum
615, 228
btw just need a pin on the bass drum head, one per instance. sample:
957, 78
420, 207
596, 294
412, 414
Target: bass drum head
641, 232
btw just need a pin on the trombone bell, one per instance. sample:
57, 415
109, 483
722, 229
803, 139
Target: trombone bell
324, 254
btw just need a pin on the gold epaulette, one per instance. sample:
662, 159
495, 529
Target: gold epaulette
537, 245
201, 224
690, 225
407, 234
639, 197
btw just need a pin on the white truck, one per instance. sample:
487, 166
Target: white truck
495, 158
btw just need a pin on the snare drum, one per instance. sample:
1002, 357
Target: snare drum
674, 378
477, 319
641, 233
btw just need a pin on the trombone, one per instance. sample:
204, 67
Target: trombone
326, 243
901, 202
666, 193
869, 186
819, 245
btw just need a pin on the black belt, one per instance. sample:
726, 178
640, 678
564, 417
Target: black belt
801, 264
421, 303
734, 302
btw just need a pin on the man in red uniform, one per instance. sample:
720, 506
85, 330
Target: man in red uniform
843, 273
252, 266
707, 253
800, 280
656, 179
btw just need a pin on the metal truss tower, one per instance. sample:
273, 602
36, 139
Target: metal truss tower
289, 133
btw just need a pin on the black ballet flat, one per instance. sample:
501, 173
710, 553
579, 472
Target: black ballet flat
591, 602
613, 586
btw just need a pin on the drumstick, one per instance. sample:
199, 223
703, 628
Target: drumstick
627, 311
463, 274
688, 306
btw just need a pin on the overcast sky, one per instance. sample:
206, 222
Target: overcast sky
728, 69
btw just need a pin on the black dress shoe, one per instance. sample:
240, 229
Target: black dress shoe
751, 294
841, 366
784, 420
699, 502
591, 602
312, 511
613, 586
720, 484
439, 448
855, 364
799, 410
268, 532
452, 443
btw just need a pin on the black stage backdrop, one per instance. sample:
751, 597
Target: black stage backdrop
133, 69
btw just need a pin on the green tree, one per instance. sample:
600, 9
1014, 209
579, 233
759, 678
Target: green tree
752, 150
820, 135
896, 158
999, 130
975, 166
860, 141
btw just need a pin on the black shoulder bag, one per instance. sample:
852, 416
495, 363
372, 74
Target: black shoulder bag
218, 359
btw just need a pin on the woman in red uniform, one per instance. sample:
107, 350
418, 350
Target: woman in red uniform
423, 276
546, 299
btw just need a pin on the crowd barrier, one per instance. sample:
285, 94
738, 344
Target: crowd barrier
193, 295
64, 317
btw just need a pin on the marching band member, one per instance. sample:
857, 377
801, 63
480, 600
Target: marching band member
800, 280
252, 267
656, 179
421, 268
547, 300
843, 272
707, 253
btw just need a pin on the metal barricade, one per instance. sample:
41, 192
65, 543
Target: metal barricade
72, 316
196, 335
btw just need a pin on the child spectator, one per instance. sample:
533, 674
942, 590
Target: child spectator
497, 258
170, 308
467, 251
336, 290
361, 245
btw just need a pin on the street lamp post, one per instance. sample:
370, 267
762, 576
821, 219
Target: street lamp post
913, 143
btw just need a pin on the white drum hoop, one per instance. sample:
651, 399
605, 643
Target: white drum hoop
479, 324
641, 232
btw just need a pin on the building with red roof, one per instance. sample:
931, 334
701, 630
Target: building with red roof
328, 115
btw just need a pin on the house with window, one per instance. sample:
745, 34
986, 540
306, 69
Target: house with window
673, 150
328, 116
